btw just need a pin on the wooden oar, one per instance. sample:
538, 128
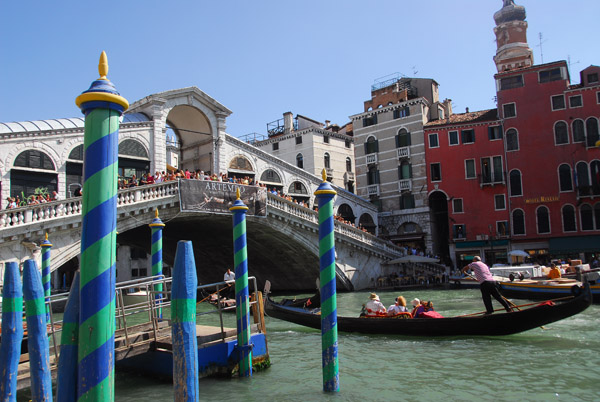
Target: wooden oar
220, 290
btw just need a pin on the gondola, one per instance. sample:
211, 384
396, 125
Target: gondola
543, 289
503, 323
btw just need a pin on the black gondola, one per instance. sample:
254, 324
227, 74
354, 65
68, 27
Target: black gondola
475, 324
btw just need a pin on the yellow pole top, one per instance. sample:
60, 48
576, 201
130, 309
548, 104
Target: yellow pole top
103, 66
324, 174
46, 235
156, 213
237, 193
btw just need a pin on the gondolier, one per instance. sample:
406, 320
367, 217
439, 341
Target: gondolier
487, 284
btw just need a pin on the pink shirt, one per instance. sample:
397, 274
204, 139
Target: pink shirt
482, 272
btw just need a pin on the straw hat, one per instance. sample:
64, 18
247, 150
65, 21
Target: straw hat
477, 258
415, 302
374, 297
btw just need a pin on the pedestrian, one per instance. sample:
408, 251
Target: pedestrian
487, 284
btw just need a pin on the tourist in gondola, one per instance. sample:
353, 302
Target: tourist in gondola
374, 307
398, 307
487, 284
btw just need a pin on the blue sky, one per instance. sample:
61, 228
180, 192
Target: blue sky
263, 58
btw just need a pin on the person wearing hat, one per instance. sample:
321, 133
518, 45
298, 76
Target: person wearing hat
398, 307
374, 307
487, 284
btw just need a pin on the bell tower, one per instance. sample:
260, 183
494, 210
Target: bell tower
511, 38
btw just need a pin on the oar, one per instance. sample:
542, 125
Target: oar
220, 290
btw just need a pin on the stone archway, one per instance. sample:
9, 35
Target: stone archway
366, 221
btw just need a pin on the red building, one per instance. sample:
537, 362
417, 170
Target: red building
527, 175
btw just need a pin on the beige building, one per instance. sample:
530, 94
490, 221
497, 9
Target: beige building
390, 156
312, 146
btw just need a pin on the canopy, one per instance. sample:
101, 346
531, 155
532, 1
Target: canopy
412, 258
519, 253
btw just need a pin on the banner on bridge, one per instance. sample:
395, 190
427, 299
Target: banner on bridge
217, 197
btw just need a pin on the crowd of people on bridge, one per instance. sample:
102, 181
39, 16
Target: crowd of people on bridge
16, 201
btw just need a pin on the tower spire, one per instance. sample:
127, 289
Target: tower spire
512, 51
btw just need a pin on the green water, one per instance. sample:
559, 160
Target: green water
559, 363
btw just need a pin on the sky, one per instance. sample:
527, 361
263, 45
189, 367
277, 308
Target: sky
260, 59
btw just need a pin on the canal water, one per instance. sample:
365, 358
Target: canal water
561, 362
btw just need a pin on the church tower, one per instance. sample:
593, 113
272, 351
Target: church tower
511, 38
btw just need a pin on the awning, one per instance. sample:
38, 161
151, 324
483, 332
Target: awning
412, 258
574, 244
480, 243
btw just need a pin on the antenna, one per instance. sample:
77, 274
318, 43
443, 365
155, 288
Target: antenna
569, 62
415, 71
540, 46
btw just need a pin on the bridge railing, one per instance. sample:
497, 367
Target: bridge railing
308, 214
72, 206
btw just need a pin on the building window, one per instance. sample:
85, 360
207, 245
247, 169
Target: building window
575, 101
558, 102
433, 141
453, 137
404, 170
499, 202
401, 112
468, 136
561, 134
326, 139
347, 143
300, 161
502, 228
511, 82
491, 170
348, 165
568, 219
34, 160
371, 146
457, 206
515, 184
592, 78
518, 222
495, 133
436, 172
510, 110
598, 97
470, 172
275, 146
373, 176
543, 220
578, 131
586, 216
407, 201
402, 138
326, 161
591, 131
298, 140
582, 181
459, 232
550, 75
370, 121
564, 178
512, 140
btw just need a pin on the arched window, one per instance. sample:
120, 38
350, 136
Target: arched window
403, 138
512, 140
583, 179
564, 177
515, 183
373, 176
578, 131
34, 160
404, 170
326, 161
74, 171
568, 218
348, 165
300, 161
591, 128
561, 134
270, 176
371, 146
597, 215
297, 188
518, 222
77, 153
543, 219
132, 148
595, 176
586, 216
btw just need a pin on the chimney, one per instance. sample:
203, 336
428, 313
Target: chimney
288, 122
467, 110
327, 123
448, 106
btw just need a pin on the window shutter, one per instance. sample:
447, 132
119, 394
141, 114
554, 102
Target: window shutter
490, 133
397, 141
408, 141
376, 145
366, 148
410, 171
377, 177
400, 172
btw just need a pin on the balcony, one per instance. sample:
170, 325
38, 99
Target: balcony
373, 189
405, 185
491, 179
403, 152
348, 176
371, 159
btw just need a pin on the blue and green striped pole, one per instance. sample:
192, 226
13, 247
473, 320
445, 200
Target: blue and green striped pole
157, 227
37, 337
66, 377
102, 106
183, 330
329, 338
12, 331
46, 246
240, 259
